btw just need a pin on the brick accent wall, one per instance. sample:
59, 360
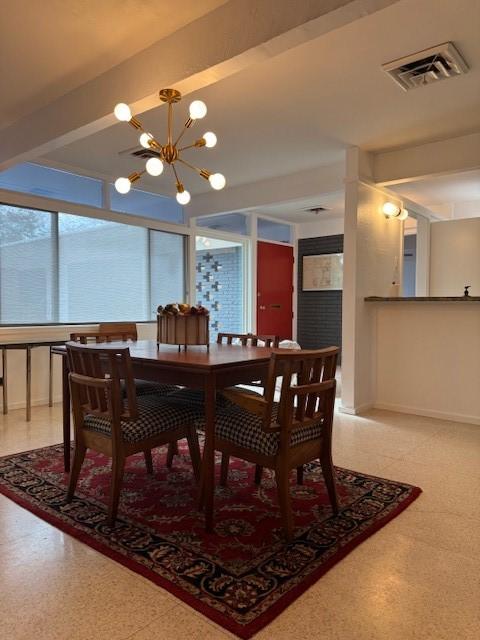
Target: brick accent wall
319, 313
220, 288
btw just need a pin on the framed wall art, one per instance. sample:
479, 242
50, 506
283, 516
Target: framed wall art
323, 272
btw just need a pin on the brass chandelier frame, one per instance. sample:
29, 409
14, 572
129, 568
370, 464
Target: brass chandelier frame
170, 153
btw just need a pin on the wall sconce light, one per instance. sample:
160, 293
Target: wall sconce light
391, 210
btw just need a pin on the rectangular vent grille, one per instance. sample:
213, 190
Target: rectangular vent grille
428, 66
145, 153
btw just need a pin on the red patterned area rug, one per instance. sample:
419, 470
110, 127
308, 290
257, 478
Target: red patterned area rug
244, 574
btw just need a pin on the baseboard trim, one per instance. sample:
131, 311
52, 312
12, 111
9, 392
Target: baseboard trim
355, 411
428, 413
21, 404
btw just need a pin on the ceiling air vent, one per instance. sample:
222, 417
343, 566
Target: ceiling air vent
422, 68
140, 152
316, 210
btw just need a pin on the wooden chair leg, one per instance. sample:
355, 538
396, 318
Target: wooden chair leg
329, 477
300, 474
258, 473
224, 469
78, 458
172, 451
283, 489
118, 465
194, 449
148, 460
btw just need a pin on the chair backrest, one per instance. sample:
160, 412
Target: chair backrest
96, 376
119, 330
248, 339
107, 332
311, 398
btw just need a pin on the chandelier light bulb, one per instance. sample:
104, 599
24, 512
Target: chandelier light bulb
123, 185
217, 181
154, 166
198, 110
403, 215
390, 209
210, 139
122, 112
144, 140
183, 197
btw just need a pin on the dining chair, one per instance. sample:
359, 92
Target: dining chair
122, 332
290, 433
120, 425
244, 339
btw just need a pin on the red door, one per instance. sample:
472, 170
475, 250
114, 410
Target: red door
274, 289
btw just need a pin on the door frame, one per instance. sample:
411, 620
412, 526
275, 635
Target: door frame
249, 243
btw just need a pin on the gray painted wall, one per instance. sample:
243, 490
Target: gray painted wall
319, 313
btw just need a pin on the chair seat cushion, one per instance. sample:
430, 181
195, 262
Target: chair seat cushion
145, 387
196, 397
155, 415
244, 429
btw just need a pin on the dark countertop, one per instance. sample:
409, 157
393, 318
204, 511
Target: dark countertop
424, 299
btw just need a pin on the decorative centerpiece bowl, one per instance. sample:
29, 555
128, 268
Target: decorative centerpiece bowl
183, 325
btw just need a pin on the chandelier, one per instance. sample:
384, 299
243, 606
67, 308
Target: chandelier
169, 153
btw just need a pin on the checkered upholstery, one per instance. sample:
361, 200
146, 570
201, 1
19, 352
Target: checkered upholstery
155, 415
145, 387
196, 397
244, 429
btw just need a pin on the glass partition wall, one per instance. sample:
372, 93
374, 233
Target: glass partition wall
221, 283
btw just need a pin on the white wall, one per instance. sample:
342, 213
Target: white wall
318, 228
428, 359
372, 245
455, 257
40, 361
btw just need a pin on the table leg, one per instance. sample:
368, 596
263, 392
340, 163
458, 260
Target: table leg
207, 486
4, 381
66, 415
50, 378
29, 383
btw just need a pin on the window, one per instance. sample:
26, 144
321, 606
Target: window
231, 222
57, 267
276, 231
167, 269
149, 205
27, 266
220, 283
52, 183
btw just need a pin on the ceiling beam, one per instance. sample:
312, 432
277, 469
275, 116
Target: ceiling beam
454, 155
281, 189
234, 36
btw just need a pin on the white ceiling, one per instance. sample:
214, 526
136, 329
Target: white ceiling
302, 108
449, 196
49, 48
296, 211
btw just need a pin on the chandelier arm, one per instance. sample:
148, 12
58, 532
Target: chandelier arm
191, 166
170, 122
189, 123
190, 146
175, 174
202, 172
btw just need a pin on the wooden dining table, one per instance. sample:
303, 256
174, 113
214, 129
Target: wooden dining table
196, 367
